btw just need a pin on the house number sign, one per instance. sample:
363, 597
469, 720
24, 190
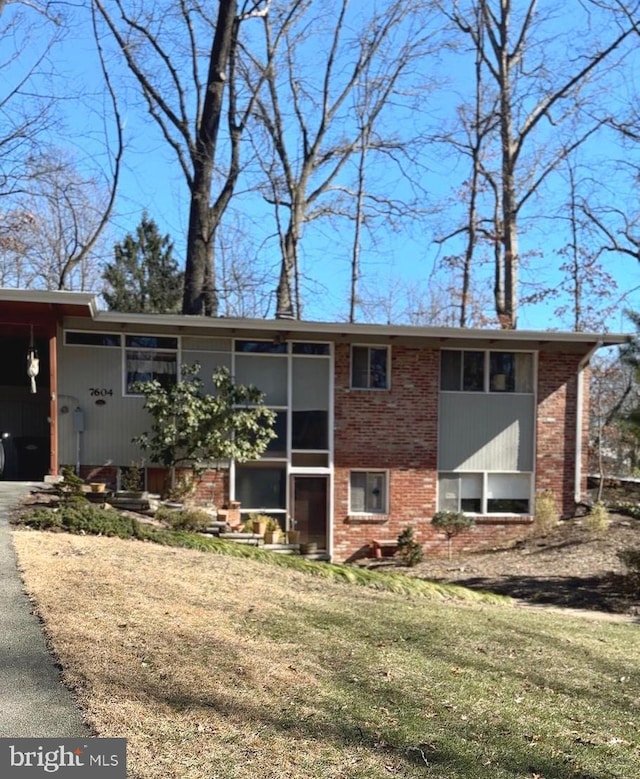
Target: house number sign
100, 392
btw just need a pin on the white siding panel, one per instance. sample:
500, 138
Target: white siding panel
485, 432
108, 429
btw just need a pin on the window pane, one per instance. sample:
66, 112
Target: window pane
358, 490
310, 430
277, 447
311, 348
524, 372
473, 372
508, 492
360, 367
147, 366
448, 492
260, 487
502, 372
378, 368
450, 369
261, 347
268, 374
471, 492
375, 499
91, 339
151, 342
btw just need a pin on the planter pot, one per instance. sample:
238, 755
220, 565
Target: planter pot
272, 536
259, 528
311, 547
130, 494
293, 536
97, 486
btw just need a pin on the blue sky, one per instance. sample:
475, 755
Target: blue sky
151, 181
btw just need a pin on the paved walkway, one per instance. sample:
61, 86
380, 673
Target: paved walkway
33, 701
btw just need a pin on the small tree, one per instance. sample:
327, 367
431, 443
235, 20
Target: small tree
144, 278
196, 429
452, 523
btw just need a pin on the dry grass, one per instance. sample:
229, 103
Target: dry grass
221, 668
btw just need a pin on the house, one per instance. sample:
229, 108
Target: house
378, 426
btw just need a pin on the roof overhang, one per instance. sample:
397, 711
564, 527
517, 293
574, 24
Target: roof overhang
39, 306
432, 337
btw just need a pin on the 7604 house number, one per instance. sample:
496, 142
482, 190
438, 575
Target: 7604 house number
100, 392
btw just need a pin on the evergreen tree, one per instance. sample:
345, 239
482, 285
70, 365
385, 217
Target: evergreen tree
144, 278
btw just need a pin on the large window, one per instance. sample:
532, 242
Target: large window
150, 358
370, 367
368, 492
486, 371
485, 493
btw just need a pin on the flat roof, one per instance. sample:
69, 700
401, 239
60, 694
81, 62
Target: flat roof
85, 305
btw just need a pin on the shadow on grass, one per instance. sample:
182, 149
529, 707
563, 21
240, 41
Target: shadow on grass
607, 593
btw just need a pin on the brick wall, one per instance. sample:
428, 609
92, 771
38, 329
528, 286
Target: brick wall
396, 430
556, 427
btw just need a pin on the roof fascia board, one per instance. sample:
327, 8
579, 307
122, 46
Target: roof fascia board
336, 329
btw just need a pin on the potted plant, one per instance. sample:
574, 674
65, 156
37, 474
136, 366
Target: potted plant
272, 532
258, 523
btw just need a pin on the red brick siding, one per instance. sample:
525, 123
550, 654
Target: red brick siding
396, 430
556, 427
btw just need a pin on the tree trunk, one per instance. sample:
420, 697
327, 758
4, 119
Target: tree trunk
200, 294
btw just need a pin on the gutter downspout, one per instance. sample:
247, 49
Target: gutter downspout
577, 492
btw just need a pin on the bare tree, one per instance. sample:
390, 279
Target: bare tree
314, 84
53, 216
184, 91
526, 95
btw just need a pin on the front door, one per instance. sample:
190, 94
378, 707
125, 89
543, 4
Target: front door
310, 494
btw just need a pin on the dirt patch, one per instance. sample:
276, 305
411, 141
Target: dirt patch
566, 568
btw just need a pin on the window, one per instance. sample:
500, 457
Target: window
261, 486
369, 367
368, 493
485, 493
148, 358
73, 338
479, 371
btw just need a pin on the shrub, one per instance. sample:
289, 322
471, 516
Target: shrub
70, 489
409, 550
82, 518
131, 478
452, 523
597, 520
546, 515
195, 520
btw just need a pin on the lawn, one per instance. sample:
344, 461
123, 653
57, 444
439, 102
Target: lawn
215, 667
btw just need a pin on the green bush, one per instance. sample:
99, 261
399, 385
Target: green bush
82, 518
409, 550
597, 520
195, 520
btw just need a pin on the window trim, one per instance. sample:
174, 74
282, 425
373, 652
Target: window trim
369, 347
370, 512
